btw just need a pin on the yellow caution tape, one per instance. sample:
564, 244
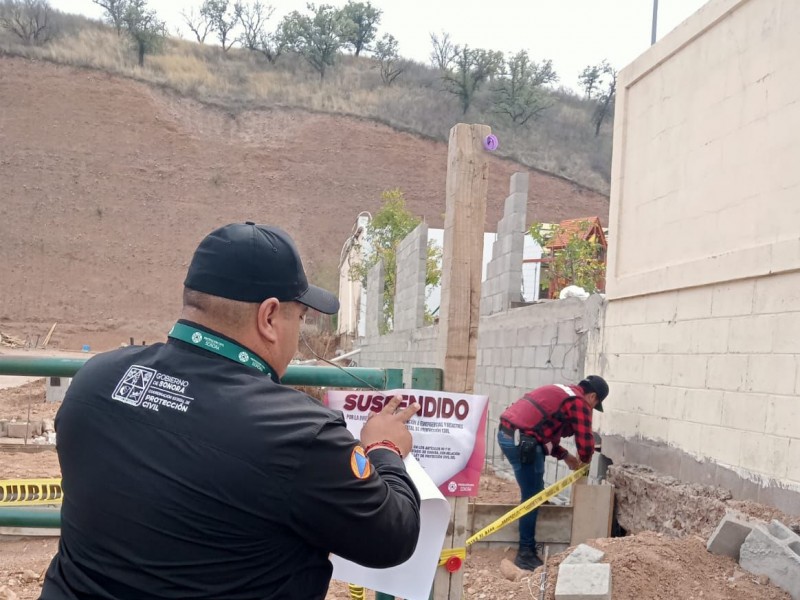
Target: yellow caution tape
30, 492
357, 592
529, 505
450, 552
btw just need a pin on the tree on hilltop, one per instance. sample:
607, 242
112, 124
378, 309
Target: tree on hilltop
599, 83
471, 69
360, 30
388, 59
198, 23
223, 21
317, 38
29, 20
253, 18
444, 51
520, 95
115, 12
144, 26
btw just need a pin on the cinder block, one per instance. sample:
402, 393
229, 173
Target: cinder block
773, 551
18, 430
584, 582
729, 536
584, 555
772, 373
519, 183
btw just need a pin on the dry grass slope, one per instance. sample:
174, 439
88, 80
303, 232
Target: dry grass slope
561, 142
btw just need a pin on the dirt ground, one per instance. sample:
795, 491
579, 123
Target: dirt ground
648, 565
112, 183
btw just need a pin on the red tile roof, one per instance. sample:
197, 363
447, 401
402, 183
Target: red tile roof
590, 225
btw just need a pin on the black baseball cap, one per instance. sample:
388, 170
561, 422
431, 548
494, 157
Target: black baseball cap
598, 385
250, 263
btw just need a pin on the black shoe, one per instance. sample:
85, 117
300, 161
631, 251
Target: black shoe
527, 559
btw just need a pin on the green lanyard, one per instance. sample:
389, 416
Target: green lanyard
212, 343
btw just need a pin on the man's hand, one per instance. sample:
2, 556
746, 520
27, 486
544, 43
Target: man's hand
572, 462
388, 425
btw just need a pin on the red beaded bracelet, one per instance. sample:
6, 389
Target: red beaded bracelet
387, 444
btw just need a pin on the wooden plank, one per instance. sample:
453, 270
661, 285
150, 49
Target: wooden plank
49, 335
553, 525
465, 214
592, 511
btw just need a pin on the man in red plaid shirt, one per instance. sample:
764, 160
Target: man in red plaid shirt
532, 428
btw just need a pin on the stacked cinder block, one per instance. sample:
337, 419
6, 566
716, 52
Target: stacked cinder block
409, 303
375, 286
503, 283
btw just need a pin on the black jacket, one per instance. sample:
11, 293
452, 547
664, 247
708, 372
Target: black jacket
188, 475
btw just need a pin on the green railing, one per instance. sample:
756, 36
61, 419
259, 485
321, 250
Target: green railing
354, 377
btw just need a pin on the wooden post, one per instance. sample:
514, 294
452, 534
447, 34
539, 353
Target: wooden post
467, 186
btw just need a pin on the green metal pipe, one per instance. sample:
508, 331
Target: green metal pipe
40, 366
44, 518
357, 377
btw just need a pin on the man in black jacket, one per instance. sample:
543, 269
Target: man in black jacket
190, 472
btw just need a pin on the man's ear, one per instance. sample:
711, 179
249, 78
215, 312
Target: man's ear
267, 313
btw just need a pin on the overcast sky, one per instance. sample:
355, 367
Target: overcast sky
573, 33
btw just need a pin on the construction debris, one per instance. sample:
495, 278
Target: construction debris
10, 341
584, 555
774, 552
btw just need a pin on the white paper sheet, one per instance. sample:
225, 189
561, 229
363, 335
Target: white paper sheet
414, 578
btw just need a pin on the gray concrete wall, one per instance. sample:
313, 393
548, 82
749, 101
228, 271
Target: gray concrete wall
409, 302
375, 287
503, 283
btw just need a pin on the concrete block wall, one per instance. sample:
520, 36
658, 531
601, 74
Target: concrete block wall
713, 371
503, 283
409, 303
375, 287
400, 350
701, 339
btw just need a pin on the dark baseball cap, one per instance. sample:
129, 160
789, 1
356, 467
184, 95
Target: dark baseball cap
250, 263
598, 385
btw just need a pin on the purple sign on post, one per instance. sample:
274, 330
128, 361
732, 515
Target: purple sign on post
491, 143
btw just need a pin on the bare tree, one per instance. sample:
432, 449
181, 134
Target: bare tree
388, 59
198, 23
223, 21
253, 18
29, 20
115, 12
600, 83
444, 51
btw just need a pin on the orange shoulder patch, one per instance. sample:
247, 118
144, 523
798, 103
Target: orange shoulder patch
359, 463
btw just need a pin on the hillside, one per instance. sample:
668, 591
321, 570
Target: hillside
108, 185
560, 140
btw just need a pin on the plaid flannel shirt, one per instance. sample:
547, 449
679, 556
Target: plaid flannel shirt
575, 418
